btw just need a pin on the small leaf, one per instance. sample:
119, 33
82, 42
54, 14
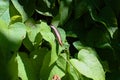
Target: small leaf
16, 18
78, 45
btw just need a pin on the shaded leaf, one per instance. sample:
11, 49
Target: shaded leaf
80, 8
19, 9
106, 17
64, 11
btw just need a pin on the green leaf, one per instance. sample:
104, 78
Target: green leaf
26, 68
73, 74
14, 33
33, 31
106, 17
13, 67
19, 9
61, 61
88, 64
37, 57
11, 38
43, 7
64, 11
4, 11
21, 69
28, 44
48, 36
45, 69
78, 45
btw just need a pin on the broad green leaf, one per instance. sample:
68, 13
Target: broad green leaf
16, 33
64, 11
88, 64
48, 36
19, 9
4, 11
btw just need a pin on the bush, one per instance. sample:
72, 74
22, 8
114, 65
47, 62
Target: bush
63, 39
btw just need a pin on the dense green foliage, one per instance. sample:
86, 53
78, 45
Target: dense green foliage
89, 30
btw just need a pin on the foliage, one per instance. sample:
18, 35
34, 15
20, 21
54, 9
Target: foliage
89, 30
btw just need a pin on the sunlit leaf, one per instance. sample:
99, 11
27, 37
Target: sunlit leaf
21, 69
48, 36
4, 11
88, 65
